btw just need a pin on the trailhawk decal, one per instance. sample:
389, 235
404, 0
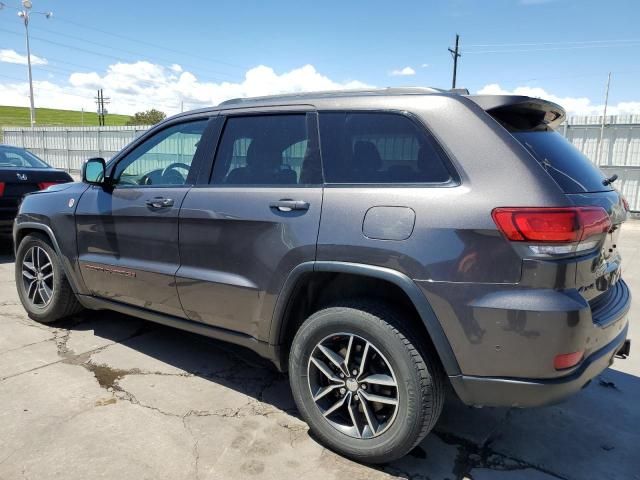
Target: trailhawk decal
111, 270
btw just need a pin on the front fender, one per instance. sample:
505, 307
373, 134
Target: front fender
52, 212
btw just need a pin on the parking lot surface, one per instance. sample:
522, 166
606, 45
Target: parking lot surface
105, 395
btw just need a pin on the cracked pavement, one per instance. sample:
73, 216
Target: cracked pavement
103, 394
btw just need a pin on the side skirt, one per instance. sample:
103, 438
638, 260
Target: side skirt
269, 352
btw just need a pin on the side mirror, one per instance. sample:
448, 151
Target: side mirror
93, 171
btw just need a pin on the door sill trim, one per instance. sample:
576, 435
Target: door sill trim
263, 349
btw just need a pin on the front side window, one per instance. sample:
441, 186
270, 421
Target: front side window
162, 160
268, 150
378, 148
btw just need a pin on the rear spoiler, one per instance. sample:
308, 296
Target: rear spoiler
518, 112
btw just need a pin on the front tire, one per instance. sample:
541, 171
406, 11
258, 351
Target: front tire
361, 379
42, 286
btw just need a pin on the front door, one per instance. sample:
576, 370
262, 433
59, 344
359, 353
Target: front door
128, 235
256, 220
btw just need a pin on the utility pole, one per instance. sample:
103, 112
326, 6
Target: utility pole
25, 14
100, 102
455, 53
604, 119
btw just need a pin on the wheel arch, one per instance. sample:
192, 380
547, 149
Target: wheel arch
22, 229
285, 321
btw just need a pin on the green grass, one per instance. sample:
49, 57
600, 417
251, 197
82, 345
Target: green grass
19, 117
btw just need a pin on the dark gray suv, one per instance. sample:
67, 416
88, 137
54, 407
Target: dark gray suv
382, 246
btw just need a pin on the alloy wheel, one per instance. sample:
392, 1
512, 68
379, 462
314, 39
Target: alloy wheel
353, 385
37, 277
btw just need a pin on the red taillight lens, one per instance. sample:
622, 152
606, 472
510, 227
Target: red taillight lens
554, 225
43, 185
1, 189
567, 360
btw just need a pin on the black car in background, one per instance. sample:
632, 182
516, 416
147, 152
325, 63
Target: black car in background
21, 172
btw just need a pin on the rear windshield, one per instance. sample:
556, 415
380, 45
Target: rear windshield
565, 163
14, 157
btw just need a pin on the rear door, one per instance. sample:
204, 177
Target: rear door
128, 235
256, 219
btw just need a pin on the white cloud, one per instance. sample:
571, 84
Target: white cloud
573, 105
425, 65
11, 56
176, 68
403, 72
142, 85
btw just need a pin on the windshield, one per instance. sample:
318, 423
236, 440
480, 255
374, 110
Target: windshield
11, 157
573, 171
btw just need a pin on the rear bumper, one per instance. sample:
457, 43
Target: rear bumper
520, 392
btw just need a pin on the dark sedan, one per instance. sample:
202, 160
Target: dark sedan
21, 172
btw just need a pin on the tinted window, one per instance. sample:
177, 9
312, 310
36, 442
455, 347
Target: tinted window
565, 163
268, 150
163, 159
378, 148
14, 157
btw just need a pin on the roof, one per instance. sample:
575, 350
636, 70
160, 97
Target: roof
552, 114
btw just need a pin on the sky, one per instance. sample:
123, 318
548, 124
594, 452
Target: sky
173, 55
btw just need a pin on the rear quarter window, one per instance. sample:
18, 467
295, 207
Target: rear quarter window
378, 148
571, 170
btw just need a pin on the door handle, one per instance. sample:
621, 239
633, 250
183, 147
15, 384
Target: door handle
159, 202
288, 205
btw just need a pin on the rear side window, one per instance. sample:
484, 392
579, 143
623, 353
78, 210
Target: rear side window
571, 170
268, 150
378, 148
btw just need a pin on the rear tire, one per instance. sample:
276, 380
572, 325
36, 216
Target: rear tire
42, 286
366, 427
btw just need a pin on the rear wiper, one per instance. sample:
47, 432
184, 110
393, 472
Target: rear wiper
608, 181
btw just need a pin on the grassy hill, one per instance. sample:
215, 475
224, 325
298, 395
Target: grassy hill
19, 117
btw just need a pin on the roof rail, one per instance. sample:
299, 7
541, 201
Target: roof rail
336, 93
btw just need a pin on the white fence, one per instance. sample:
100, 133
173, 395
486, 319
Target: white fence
69, 147
620, 152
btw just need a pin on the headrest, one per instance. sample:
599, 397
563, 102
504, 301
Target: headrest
366, 156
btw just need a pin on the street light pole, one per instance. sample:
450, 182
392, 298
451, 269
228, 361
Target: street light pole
25, 16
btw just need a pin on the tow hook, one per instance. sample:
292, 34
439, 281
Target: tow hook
624, 350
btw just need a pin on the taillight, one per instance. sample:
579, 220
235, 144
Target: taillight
553, 230
1, 189
44, 185
567, 360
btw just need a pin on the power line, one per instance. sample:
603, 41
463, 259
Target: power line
93, 52
143, 42
576, 47
131, 52
556, 77
535, 44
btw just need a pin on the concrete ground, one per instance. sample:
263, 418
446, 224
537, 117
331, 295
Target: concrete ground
104, 395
